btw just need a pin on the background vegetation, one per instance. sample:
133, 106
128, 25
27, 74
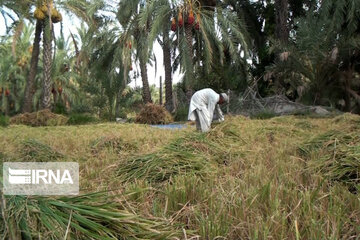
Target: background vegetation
219, 44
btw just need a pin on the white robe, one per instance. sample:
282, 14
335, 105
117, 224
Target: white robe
203, 104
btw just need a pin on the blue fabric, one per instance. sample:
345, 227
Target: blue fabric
170, 126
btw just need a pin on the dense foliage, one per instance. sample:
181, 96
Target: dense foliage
307, 50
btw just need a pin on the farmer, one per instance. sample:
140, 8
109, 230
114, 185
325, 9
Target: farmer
202, 106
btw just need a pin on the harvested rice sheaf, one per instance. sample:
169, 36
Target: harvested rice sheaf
33, 150
116, 144
196, 153
182, 156
40, 118
90, 216
154, 114
336, 155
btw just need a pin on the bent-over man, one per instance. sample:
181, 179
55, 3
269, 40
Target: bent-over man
204, 105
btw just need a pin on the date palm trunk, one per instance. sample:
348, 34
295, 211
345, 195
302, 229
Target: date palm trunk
190, 75
348, 75
29, 89
167, 65
47, 59
144, 77
281, 16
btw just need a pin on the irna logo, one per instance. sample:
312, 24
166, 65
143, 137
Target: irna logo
49, 178
22, 176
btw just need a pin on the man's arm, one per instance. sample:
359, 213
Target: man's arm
214, 108
219, 113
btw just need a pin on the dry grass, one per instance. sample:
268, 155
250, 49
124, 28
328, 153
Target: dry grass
253, 182
40, 118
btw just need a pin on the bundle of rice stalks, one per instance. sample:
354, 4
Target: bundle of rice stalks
225, 141
336, 155
318, 142
195, 153
33, 150
41, 118
90, 216
347, 118
154, 114
182, 156
116, 144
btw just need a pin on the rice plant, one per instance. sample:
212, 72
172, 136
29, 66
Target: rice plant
336, 155
114, 144
89, 216
33, 150
179, 157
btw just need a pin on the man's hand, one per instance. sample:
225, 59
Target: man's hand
219, 120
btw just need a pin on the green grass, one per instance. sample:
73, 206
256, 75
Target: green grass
181, 113
266, 114
81, 118
4, 121
287, 177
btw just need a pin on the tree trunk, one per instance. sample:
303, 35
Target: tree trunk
281, 16
190, 75
29, 89
347, 97
117, 104
355, 95
146, 89
47, 59
349, 92
167, 65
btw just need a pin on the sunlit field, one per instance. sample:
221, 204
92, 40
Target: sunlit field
281, 178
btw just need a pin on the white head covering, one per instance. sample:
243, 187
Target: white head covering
225, 97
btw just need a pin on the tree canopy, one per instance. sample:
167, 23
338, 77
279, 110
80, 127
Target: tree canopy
306, 50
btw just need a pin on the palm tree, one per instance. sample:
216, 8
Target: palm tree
13, 10
162, 9
140, 39
281, 16
22, 9
168, 69
191, 20
29, 90
128, 16
46, 15
344, 16
47, 56
105, 51
51, 16
321, 64
7, 71
15, 53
